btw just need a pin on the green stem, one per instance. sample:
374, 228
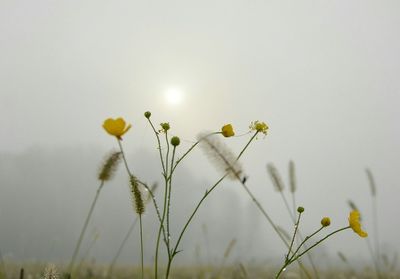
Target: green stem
292, 215
169, 194
78, 244
167, 184
175, 250
296, 226
304, 242
161, 220
141, 243
294, 257
159, 145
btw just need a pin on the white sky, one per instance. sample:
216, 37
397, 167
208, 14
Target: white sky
322, 74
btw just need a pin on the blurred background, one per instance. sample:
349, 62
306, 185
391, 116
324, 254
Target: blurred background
322, 75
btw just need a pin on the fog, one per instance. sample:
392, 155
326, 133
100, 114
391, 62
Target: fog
324, 76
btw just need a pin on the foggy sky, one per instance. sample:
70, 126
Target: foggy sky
323, 75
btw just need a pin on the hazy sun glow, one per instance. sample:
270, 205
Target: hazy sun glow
173, 96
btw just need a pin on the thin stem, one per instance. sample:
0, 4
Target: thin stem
169, 194
175, 249
154, 201
141, 243
162, 225
270, 221
114, 260
318, 242
85, 255
159, 144
294, 257
143, 184
296, 226
304, 241
167, 178
292, 216
124, 158
78, 244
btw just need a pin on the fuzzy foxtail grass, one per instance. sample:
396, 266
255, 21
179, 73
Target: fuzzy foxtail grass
105, 174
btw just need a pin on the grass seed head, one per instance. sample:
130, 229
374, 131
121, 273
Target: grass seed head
275, 177
109, 166
136, 195
219, 154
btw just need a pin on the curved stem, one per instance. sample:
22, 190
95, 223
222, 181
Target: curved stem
78, 244
303, 243
294, 257
175, 250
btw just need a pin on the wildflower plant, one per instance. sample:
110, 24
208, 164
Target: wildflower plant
167, 150
228, 163
295, 254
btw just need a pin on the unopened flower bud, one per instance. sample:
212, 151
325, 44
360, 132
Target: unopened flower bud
175, 141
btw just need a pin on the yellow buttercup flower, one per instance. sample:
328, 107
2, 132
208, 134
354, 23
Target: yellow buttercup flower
258, 126
227, 131
116, 127
354, 223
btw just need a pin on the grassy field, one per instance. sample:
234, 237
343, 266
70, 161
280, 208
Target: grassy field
236, 271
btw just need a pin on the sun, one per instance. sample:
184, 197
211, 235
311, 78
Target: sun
174, 96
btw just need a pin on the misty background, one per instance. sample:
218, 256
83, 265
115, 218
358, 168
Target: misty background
322, 75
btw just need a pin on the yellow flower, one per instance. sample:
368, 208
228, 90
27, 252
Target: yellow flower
258, 126
354, 223
227, 131
116, 127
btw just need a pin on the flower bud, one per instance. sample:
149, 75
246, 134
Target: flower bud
165, 126
147, 114
325, 221
175, 141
